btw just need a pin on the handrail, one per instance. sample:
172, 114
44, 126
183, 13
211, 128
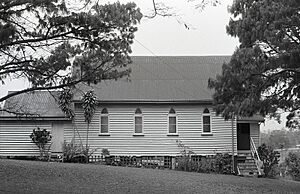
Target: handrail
254, 148
255, 155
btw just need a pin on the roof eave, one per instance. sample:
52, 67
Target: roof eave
204, 102
14, 118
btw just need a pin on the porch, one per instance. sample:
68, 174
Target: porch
248, 162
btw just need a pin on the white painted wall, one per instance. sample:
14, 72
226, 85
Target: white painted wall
15, 140
155, 140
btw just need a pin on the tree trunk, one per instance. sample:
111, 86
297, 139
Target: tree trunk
87, 143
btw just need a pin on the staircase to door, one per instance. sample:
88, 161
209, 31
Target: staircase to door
246, 165
249, 163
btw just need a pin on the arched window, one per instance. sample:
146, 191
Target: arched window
172, 122
104, 126
138, 121
206, 121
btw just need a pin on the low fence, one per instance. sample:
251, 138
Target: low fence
136, 161
159, 162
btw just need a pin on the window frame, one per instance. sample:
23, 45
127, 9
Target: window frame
204, 114
108, 126
141, 115
168, 122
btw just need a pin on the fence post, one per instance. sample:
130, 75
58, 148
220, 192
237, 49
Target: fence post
173, 163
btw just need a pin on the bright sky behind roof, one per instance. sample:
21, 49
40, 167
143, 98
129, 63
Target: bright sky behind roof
168, 35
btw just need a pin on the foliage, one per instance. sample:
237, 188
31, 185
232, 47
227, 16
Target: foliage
263, 73
184, 161
105, 152
76, 152
219, 163
89, 104
281, 139
73, 152
270, 159
41, 137
92, 39
186, 164
223, 163
292, 161
293, 120
162, 9
185, 151
65, 98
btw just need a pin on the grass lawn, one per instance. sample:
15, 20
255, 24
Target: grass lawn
42, 177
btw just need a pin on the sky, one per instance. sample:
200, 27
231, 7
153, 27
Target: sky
169, 36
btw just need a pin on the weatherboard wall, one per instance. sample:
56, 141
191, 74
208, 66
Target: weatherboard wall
155, 139
15, 140
254, 133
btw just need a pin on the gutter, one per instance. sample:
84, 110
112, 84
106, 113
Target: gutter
11, 118
206, 102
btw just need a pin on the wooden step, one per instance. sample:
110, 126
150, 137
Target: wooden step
248, 168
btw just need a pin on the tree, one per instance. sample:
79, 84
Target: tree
43, 40
89, 104
279, 139
270, 159
293, 120
263, 74
160, 8
41, 138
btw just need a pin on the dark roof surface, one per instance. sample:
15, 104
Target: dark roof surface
153, 79
33, 104
162, 78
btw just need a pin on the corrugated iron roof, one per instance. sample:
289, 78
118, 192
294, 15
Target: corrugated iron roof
161, 79
153, 79
254, 118
33, 104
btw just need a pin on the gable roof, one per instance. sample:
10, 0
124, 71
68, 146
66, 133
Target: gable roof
162, 79
153, 79
39, 104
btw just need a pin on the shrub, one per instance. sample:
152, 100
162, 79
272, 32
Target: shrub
205, 165
41, 138
270, 159
292, 163
219, 163
74, 153
184, 163
223, 163
105, 152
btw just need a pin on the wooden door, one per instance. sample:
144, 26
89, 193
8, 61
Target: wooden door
243, 136
57, 140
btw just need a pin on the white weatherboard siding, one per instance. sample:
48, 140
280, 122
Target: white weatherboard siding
254, 133
155, 140
15, 140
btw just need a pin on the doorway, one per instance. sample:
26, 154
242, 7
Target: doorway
243, 136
